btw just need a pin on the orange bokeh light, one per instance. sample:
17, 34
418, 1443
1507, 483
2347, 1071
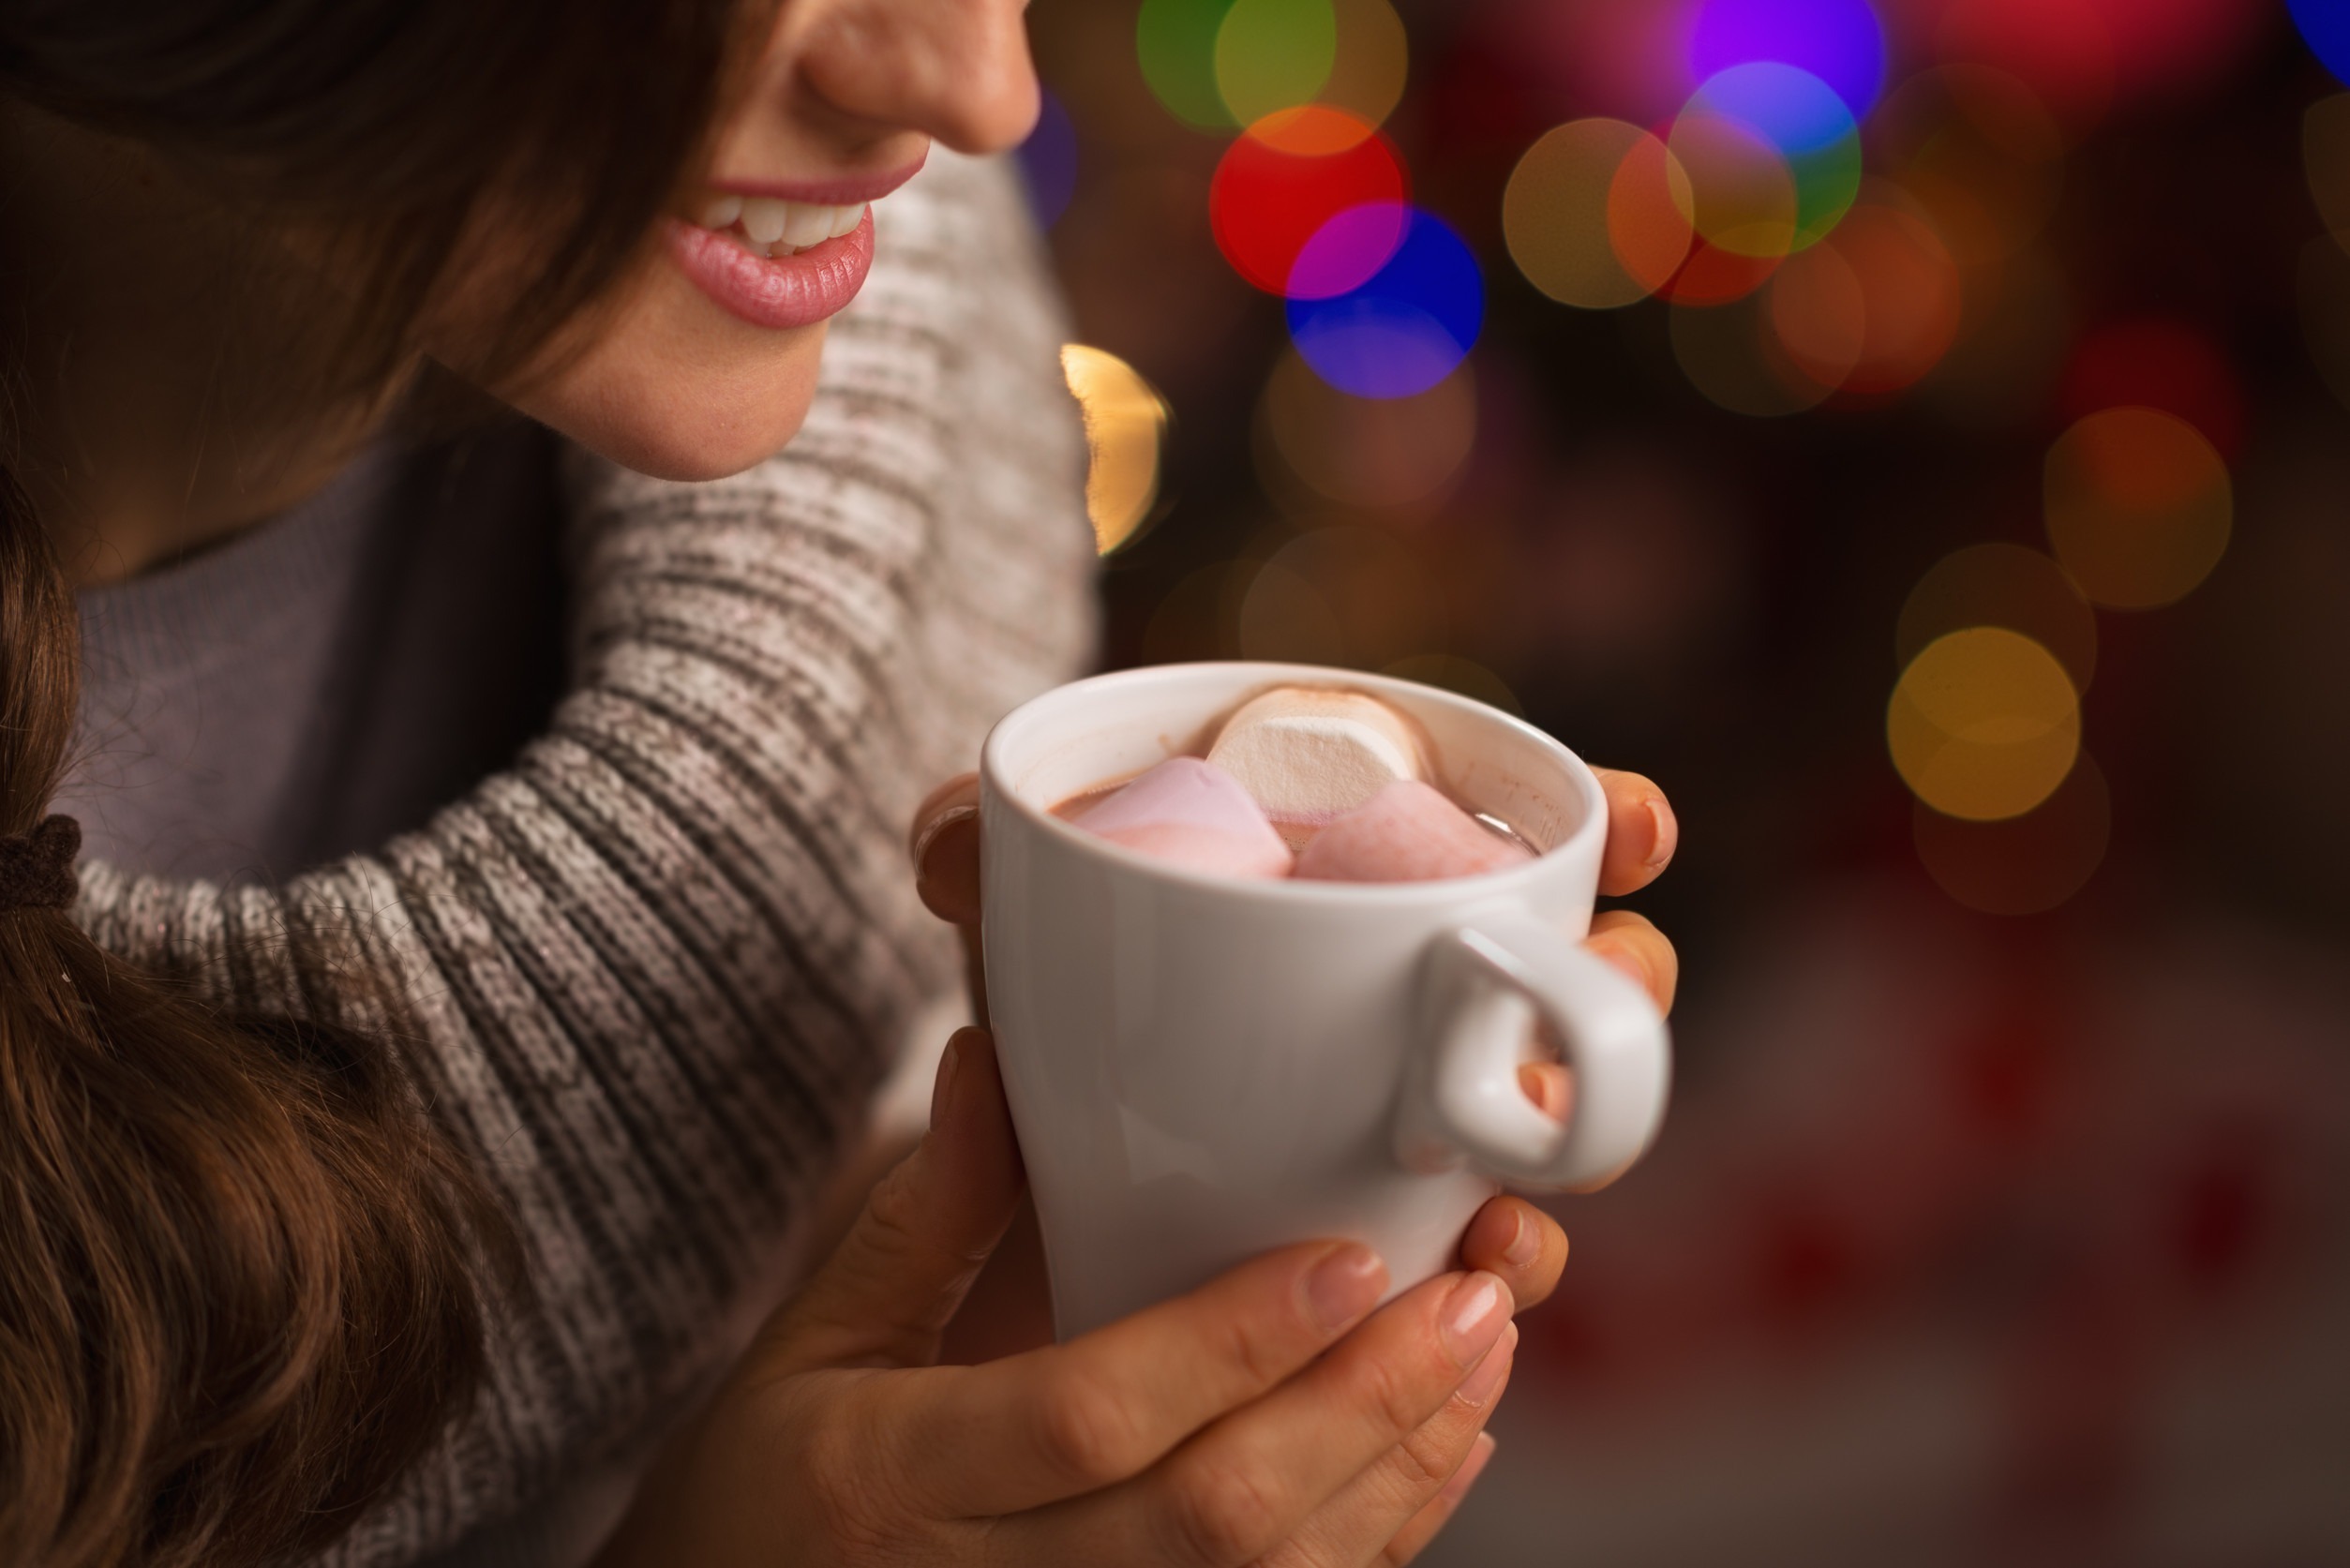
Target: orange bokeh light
2138, 506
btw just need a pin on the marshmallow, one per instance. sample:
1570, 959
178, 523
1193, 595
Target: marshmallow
1191, 814
1309, 757
1407, 832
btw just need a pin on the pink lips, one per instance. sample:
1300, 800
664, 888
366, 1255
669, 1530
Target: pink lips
777, 291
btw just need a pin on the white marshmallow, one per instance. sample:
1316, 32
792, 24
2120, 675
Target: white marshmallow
1310, 756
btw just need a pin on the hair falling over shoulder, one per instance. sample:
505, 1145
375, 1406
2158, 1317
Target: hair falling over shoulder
244, 1276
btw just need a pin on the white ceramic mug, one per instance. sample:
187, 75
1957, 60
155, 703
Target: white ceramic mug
1200, 1069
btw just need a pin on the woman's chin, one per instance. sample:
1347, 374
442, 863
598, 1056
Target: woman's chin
693, 429
706, 450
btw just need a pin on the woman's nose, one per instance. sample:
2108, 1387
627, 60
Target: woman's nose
956, 69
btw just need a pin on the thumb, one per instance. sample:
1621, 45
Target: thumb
885, 1295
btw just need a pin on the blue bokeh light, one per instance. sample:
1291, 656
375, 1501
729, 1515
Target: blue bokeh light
1410, 324
1807, 123
1840, 41
1788, 106
2324, 26
1048, 162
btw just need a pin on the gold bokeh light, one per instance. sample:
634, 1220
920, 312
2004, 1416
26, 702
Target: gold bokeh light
1984, 723
1126, 424
1596, 214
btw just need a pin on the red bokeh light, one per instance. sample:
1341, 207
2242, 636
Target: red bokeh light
2158, 364
1290, 174
1712, 275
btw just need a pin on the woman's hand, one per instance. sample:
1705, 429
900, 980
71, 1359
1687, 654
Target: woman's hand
1269, 1417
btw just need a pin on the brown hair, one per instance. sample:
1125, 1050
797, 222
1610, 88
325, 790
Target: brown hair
243, 1274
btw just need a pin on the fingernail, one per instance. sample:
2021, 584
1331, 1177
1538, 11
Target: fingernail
942, 1087
1625, 960
1471, 1468
1525, 1242
1479, 1386
1667, 831
1345, 1285
935, 825
1474, 1317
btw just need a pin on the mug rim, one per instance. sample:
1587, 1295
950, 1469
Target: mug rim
1507, 879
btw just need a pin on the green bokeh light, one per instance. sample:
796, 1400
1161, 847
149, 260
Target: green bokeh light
1274, 54
1175, 41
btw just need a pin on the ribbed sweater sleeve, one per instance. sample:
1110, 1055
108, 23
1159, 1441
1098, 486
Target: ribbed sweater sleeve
657, 964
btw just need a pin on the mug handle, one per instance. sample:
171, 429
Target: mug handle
1482, 985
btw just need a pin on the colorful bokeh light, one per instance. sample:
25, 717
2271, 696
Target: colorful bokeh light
1811, 131
1281, 182
1840, 42
2139, 505
1273, 55
1984, 723
2324, 26
1742, 195
1174, 42
1372, 63
1408, 325
1910, 293
1596, 214
1126, 421
1048, 162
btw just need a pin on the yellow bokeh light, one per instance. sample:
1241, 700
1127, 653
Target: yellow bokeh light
1368, 451
1373, 62
2138, 506
1591, 210
1274, 54
1126, 422
1984, 723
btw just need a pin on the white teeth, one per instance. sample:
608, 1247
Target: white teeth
805, 223
770, 227
764, 218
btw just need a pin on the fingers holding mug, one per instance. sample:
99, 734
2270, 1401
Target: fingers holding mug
944, 843
1633, 944
1642, 832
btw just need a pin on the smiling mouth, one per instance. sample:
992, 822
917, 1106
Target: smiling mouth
768, 227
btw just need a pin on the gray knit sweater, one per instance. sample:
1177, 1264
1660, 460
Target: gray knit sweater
658, 960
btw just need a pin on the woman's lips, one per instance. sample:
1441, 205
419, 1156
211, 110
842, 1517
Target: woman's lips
775, 291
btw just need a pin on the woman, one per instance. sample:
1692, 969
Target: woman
474, 971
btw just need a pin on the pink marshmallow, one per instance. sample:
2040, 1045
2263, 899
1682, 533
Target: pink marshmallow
1191, 814
1407, 832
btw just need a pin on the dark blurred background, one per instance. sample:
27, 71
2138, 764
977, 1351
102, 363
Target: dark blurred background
1911, 433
